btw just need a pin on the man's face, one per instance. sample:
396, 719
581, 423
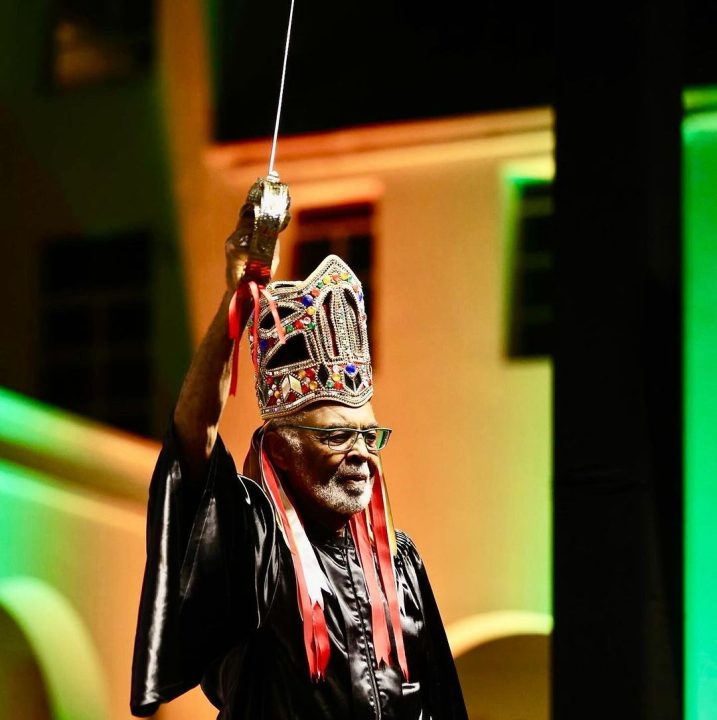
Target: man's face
329, 486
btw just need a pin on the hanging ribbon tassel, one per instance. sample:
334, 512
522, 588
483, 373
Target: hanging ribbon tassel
316, 633
321, 646
379, 523
243, 291
381, 640
234, 334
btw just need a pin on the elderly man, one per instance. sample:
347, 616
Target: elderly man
285, 590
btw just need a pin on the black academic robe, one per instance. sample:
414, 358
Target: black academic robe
219, 606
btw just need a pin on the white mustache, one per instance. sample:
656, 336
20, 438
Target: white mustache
353, 476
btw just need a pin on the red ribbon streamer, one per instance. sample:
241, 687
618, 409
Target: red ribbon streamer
316, 633
381, 640
243, 290
234, 333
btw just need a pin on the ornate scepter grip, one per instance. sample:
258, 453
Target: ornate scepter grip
262, 217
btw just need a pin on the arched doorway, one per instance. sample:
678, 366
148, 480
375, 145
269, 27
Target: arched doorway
22, 689
503, 661
49, 668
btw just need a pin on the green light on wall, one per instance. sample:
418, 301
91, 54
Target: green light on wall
700, 393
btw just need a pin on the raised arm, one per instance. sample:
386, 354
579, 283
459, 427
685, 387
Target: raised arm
204, 392
247, 251
206, 385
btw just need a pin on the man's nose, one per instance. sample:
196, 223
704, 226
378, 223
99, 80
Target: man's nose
360, 448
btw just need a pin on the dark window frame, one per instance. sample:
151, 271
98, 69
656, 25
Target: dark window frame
347, 230
96, 323
529, 261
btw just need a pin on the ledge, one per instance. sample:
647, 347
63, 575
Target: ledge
73, 449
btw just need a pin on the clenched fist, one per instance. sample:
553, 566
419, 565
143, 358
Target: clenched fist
252, 250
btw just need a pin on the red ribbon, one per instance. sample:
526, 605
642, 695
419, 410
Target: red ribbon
242, 292
381, 641
316, 633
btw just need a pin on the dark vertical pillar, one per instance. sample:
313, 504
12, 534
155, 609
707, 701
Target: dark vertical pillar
618, 449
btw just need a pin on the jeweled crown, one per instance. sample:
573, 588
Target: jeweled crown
325, 355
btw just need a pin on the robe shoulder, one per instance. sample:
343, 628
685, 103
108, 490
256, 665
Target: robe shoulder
407, 549
207, 543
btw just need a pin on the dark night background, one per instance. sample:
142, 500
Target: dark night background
377, 61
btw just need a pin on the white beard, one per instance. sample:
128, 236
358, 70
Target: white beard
342, 496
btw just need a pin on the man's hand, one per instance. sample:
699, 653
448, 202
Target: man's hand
252, 250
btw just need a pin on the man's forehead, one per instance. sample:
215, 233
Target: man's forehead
338, 415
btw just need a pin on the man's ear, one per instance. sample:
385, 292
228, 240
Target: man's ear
278, 449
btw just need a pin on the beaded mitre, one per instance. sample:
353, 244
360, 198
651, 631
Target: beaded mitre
324, 354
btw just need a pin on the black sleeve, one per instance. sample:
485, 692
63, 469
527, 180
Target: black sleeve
212, 565
444, 690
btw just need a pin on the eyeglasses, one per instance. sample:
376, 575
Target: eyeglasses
341, 439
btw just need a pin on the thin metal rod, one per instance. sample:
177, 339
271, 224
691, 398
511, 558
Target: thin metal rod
281, 90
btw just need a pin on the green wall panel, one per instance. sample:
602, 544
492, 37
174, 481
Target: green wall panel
700, 397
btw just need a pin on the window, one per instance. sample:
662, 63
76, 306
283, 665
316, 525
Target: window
96, 322
100, 40
343, 230
530, 289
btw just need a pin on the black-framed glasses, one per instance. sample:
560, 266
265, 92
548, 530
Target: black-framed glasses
342, 439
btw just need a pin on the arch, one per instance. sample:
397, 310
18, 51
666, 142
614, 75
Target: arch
503, 661
468, 633
22, 689
62, 646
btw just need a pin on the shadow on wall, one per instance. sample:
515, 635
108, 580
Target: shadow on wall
48, 665
503, 661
